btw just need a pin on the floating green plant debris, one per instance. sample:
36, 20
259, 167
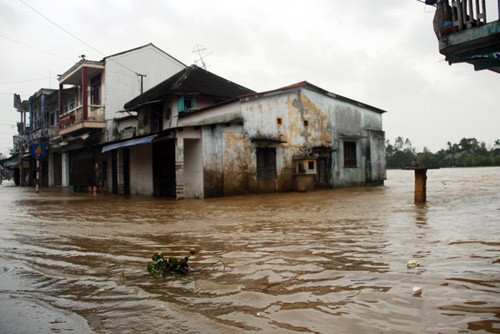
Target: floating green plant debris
161, 267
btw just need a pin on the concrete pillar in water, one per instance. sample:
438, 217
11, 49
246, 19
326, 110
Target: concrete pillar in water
420, 185
420, 181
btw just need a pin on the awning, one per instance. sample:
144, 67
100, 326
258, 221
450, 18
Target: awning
131, 142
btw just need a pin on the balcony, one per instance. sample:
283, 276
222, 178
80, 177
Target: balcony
465, 36
75, 121
85, 91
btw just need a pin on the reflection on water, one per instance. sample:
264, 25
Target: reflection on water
317, 262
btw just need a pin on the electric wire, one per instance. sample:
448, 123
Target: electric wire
58, 26
28, 80
35, 48
74, 36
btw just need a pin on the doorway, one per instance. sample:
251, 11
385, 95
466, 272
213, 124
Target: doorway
164, 183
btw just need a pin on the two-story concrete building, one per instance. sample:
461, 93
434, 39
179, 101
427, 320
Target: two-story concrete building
91, 95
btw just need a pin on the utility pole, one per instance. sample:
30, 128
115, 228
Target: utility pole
142, 80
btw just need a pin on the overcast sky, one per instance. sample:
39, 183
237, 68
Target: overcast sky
383, 53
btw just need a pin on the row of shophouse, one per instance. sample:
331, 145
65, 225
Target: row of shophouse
159, 127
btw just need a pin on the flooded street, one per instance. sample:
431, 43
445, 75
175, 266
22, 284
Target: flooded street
319, 262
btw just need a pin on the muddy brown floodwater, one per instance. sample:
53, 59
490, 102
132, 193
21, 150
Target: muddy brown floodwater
319, 262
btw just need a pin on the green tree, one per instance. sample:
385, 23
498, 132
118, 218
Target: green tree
400, 154
428, 159
468, 152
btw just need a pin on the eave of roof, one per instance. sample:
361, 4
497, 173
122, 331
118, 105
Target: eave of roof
142, 47
293, 87
304, 84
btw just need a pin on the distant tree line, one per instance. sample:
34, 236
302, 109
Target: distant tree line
469, 152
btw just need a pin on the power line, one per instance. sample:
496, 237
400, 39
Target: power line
24, 81
34, 48
74, 36
58, 26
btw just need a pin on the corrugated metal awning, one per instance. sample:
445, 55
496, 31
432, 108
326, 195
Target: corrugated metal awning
131, 142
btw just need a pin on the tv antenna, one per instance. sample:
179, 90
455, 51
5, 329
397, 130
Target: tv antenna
200, 51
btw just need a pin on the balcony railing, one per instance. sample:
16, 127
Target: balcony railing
468, 14
468, 33
75, 119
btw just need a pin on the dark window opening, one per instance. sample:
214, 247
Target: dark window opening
266, 162
350, 154
184, 103
306, 123
157, 118
279, 121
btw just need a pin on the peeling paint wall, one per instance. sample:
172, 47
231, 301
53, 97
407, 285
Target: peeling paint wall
355, 123
236, 161
376, 172
212, 161
295, 119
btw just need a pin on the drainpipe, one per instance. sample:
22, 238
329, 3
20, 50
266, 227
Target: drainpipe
85, 93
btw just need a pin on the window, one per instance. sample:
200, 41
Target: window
306, 123
350, 154
279, 120
184, 103
69, 105
311, 165
157, 118
95, 90
266, 162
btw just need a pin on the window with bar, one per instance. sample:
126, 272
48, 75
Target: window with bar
266, 162
350, 154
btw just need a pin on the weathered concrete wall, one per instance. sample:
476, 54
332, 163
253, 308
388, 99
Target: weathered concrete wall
354, 123
272, 122
236, 161
212, 161
349, 177
376, 172
141, 169
293, 118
